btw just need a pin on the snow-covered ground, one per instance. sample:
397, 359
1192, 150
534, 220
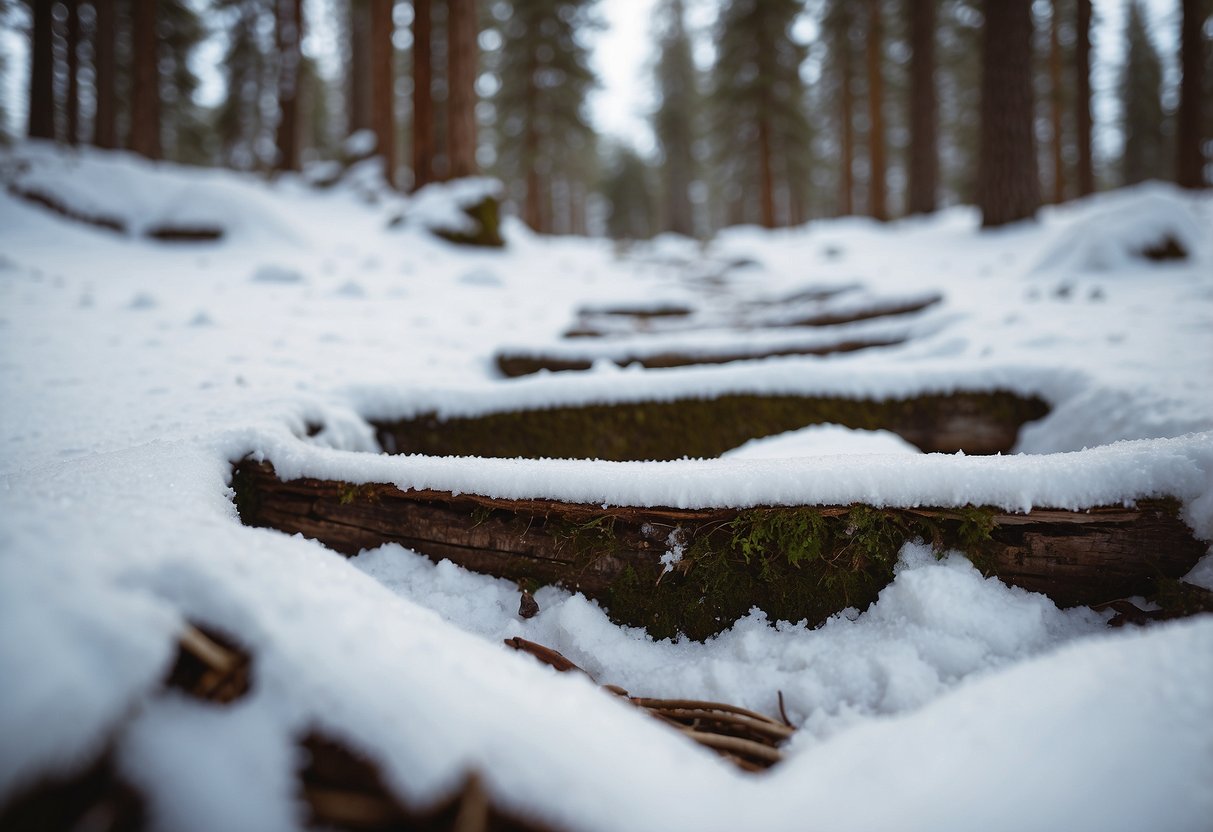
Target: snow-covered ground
132, 373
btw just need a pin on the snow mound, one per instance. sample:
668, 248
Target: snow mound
822, 440
1118, 232
442, 206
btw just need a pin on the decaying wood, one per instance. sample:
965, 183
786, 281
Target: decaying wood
210, 667
53, 203
345, 790
169, 233
1074, 557
515, 364
95, 799
973, 422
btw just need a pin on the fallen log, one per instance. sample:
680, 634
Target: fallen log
796, 563
515, 364
976, 423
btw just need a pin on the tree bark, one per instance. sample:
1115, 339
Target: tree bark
1190, 160
383, 85
877, 202
846, 204
1082, 57
766, 180
1055, 100
361, 36
423, 98
289, 36
1008, 183
72, 103
1074, 557
145, 85
41, 123
924, 109
462, 63
105, 131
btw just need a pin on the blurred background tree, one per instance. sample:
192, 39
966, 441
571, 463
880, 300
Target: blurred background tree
768, 112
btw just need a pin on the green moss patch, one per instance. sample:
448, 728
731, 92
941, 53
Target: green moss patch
487, 216
973, 422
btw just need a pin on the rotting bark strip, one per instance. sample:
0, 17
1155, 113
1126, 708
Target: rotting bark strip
515, 364
795, 563
973, 422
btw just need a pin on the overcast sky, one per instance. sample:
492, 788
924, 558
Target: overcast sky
623, 55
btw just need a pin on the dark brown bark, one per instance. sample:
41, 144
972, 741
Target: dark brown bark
1190, 160
846, 184
41, 123
423, 99
924, 109
1082, 95
1008, 183
1055, 100
105, 131
358, 107
383, 85
145, 85
766, 183
72, 102
463, 56
1074, 557
289, 37
877, 168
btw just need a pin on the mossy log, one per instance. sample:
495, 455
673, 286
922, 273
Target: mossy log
515, 364
976, 423
799, 563
597, 323
486, 214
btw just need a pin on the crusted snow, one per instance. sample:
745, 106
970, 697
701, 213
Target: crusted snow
132, 374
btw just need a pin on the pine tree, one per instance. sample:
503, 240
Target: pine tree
105, 72
1056, 103
960, 47
145, 83
1082, 66
423, 100
759, 126
72, 48
675, 120
1009, 187
544, 140
41, 122
358, 65
288, 32
877, 164
462, 68
924, 110
383, 83
631, 207
1141, 113
838, 32
241, 121
1190, 158
186, 133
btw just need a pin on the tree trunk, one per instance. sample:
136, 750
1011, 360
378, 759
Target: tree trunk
41, 123
846, 204
361, 35
383, 85
105, 131
423, 97
462, 64
877, 207
766, 180
145, 85
1082, 55
1055, 100
72, 104
289, 35
1190, 160
924, 109
1008, 183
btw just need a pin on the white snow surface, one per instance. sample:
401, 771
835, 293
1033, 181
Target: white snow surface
133, 373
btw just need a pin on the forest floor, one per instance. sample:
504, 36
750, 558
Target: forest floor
135, 372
